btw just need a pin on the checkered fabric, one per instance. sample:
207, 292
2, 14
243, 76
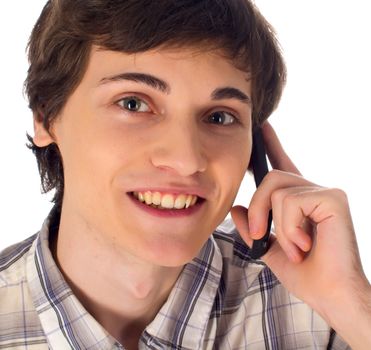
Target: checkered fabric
222, 300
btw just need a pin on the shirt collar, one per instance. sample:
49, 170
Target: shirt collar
65, 322
177, 325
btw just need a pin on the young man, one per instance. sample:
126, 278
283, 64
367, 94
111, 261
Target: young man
144, 112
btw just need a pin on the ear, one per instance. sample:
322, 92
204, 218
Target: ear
42, 136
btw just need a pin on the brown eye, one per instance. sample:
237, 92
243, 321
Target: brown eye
221, 118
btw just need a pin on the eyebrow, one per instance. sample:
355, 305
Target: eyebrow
229, 92
221, 93
143, 78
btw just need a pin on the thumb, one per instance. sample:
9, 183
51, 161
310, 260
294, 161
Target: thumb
240, 218
275, 258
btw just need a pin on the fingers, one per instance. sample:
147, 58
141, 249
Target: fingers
293, 201
299, 208
292, 232
280, 191
240, 218
261, 201
276, 154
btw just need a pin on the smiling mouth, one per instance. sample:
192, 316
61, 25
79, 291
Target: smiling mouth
161, 201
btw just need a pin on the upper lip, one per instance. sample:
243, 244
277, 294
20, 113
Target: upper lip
176, 190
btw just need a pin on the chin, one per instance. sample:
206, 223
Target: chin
172, 254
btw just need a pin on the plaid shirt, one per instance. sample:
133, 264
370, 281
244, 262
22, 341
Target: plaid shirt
221, 300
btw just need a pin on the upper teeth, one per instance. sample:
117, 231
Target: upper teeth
168, 201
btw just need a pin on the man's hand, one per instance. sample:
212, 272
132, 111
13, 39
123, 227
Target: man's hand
314, 251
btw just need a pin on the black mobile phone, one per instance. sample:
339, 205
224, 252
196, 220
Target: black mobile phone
260, 169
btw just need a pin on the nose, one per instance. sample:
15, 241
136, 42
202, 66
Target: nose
179, 150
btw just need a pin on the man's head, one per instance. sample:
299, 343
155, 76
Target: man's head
62, 39
151, 100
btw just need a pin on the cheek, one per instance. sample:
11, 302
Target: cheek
100, 142
231, 179
90, 160
230, 166
233, 160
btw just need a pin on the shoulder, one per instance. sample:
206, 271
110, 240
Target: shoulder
13, 262
17, 310
232, 247
257, 307
246, 278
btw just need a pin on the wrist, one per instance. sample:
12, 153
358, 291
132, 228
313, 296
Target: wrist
349, 314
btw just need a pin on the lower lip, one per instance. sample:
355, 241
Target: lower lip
167, 213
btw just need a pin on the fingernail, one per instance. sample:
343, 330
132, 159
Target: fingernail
254, 234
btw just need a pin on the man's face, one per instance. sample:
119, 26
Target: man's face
169, 126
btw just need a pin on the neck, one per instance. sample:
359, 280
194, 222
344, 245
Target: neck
102, 277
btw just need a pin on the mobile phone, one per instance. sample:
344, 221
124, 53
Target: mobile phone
260, 169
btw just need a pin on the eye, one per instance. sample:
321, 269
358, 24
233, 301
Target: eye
221, 118
133, 104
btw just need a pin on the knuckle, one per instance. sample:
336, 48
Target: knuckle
288, 200
278, 196
339, 194
273, 175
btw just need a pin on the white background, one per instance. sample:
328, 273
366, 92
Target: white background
323, 119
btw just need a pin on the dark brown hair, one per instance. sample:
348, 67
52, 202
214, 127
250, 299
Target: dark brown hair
62, 38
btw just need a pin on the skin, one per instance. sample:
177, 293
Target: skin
327, 274
107, 152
